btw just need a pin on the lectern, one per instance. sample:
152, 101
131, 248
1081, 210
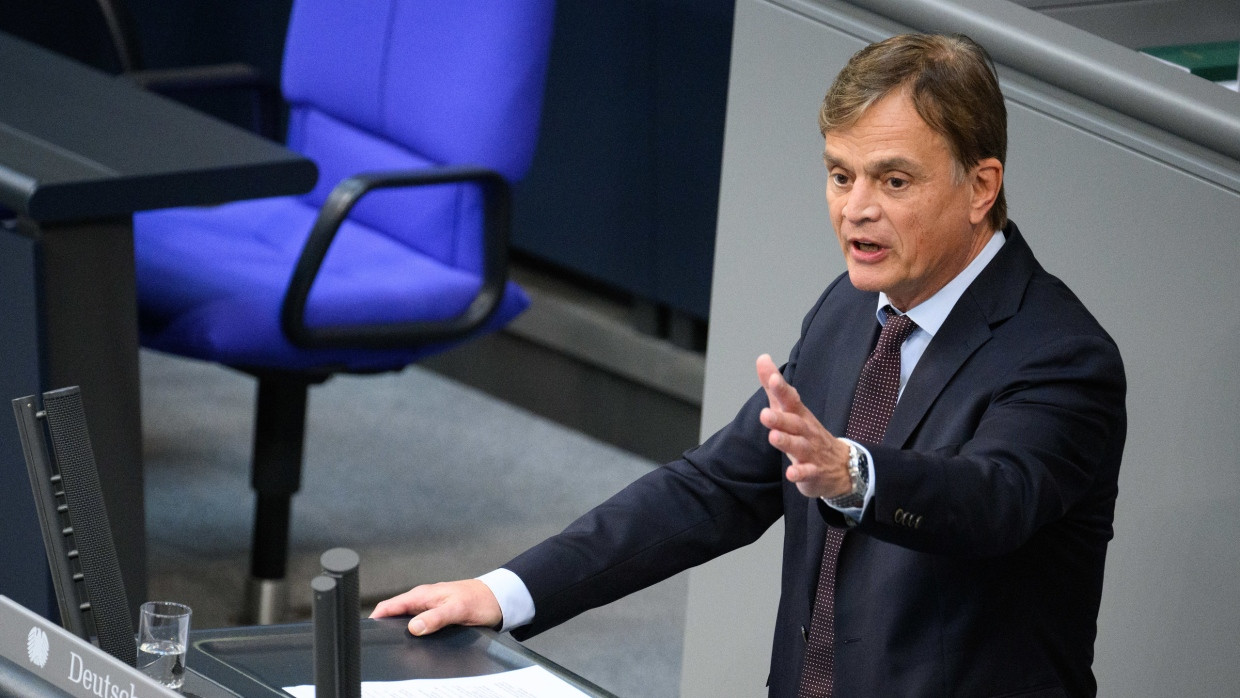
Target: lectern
80, 151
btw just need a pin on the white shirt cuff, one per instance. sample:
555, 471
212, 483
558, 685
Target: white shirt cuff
514, 599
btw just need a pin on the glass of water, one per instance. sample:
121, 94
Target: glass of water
163, 633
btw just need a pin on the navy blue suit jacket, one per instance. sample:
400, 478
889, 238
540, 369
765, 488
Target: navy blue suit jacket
977, 568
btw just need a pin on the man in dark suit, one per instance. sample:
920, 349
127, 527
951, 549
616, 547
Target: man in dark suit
953, 544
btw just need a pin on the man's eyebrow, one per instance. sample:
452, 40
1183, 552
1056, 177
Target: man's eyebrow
897, 163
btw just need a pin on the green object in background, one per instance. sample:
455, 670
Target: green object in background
1215, 61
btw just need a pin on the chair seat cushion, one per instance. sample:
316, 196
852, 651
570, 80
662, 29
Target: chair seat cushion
211, 282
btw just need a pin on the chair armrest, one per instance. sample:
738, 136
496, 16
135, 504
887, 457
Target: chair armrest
497, 207
240, 77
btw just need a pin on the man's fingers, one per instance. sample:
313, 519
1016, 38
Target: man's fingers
780, 393
787, 422
766, 368
466, 602
797, 473
406, 604
811, 449
428, 622
791, 445
787, 396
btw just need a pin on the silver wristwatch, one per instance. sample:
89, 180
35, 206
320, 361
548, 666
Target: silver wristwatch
859, 474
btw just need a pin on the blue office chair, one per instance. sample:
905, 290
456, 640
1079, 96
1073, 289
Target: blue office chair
418, 113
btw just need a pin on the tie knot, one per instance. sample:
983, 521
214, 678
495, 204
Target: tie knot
897, 329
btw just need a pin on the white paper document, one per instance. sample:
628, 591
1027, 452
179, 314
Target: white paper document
530, 682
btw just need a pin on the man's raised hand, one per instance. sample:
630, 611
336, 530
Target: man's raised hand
819, 460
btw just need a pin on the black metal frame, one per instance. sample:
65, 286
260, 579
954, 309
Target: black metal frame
123, 34
62, 553
497, 203
77, 536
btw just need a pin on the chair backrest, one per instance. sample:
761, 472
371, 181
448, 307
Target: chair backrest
76, 533
404, 84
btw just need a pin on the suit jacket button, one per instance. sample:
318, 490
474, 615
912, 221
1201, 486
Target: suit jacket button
917, 523
899, 516
804, 633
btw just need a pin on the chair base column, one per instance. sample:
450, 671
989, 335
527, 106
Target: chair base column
279, 431
266, 601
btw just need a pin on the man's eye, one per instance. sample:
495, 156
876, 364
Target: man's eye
897, 182
839, 180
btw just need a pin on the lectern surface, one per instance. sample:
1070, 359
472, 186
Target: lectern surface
256, 661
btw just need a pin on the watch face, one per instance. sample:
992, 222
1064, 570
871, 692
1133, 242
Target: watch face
858, 474
859, 469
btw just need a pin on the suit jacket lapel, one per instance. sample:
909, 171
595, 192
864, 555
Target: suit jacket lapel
993, 297
852, 341
965, 330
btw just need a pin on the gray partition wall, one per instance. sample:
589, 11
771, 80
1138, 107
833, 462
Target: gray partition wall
1124, 175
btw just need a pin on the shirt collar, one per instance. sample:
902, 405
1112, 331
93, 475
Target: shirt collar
931, 313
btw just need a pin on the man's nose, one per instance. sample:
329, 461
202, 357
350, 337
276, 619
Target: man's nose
862, 204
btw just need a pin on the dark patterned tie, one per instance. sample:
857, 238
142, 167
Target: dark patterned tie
873, 402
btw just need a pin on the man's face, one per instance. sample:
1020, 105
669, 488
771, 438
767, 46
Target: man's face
906, 223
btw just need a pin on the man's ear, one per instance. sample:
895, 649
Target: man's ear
987, 180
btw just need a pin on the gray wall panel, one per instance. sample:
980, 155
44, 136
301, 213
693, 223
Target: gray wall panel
1147, 23
1141, 223
1151, 249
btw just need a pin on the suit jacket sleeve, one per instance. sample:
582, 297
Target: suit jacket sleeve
717, 497
1040, 438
